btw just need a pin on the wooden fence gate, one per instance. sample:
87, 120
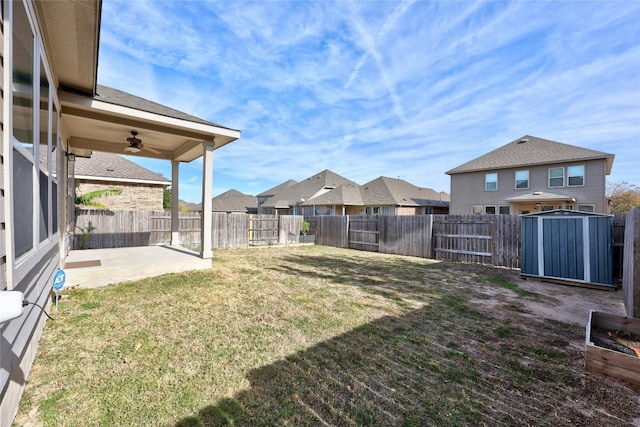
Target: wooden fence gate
263, 230
463, 239
363, 233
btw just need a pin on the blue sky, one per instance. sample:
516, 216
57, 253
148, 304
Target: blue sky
405, 89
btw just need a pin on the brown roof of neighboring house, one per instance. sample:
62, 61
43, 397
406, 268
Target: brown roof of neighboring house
382, 191
234, 201
118, 97
530, 151
398, 192
114, 167
346, 195
277, 188
304, 190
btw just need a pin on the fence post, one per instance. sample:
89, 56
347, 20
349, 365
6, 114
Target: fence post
631, 263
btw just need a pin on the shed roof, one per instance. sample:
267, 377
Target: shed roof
529, 151
564, 213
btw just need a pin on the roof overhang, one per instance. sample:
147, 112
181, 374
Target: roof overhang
71, 34
94, 125
541, 196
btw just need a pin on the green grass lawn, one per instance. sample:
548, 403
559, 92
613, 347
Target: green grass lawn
314, 335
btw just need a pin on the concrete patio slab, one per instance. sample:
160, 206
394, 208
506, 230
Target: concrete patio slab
91, 268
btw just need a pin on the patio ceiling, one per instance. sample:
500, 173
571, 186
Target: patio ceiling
91, 124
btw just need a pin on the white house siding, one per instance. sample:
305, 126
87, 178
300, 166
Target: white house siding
467, 189
31, 272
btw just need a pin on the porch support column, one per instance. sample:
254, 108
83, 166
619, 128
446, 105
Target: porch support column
207, 191
175, 201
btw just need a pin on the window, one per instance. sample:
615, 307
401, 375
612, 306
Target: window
522, 179
505, 210
490, 210
477, 210
23, 203
378, 210
45, 154
556, 177
23, 74
575, 175
546, 208
586, 208
491, 182
23, 131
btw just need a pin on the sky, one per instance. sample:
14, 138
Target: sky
403, 89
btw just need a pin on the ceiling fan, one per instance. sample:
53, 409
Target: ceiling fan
135, 144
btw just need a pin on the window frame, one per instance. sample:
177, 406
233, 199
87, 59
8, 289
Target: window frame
561, 168
487, 182
580, 207
38, 153
583, 176
516, 179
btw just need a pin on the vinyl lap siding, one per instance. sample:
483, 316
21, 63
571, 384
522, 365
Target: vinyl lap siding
467, 189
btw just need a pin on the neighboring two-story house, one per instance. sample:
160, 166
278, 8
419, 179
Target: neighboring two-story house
529, 175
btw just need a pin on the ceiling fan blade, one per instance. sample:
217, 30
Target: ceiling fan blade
153, 150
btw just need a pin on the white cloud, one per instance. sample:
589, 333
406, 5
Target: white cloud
407, 89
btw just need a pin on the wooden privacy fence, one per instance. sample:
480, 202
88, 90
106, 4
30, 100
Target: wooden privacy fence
490, 239
98, 229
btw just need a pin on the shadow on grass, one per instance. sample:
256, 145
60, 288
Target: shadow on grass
445, 364
392, 277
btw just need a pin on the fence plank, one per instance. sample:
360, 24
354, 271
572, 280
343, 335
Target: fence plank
631, 269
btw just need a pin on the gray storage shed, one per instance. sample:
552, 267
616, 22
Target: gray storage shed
568, 246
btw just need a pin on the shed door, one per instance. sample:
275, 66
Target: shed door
563, 247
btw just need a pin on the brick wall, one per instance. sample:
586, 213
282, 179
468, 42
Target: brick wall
134, 197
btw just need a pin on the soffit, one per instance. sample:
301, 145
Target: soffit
70, 30
91, 124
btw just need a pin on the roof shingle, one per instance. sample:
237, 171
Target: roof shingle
115, 167
528, 151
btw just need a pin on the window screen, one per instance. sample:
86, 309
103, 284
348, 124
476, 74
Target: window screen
22, 203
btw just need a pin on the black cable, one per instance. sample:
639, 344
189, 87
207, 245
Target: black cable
26, 303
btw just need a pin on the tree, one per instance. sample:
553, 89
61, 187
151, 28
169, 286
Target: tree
88, 198
623, 196
166, 198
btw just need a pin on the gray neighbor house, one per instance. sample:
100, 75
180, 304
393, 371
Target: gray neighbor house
531, 175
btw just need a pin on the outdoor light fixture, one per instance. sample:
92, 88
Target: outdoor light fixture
132, 149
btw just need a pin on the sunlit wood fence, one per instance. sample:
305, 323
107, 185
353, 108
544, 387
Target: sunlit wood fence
487, 239
98, 229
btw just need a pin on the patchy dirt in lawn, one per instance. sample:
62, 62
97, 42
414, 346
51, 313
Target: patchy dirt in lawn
325, 336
